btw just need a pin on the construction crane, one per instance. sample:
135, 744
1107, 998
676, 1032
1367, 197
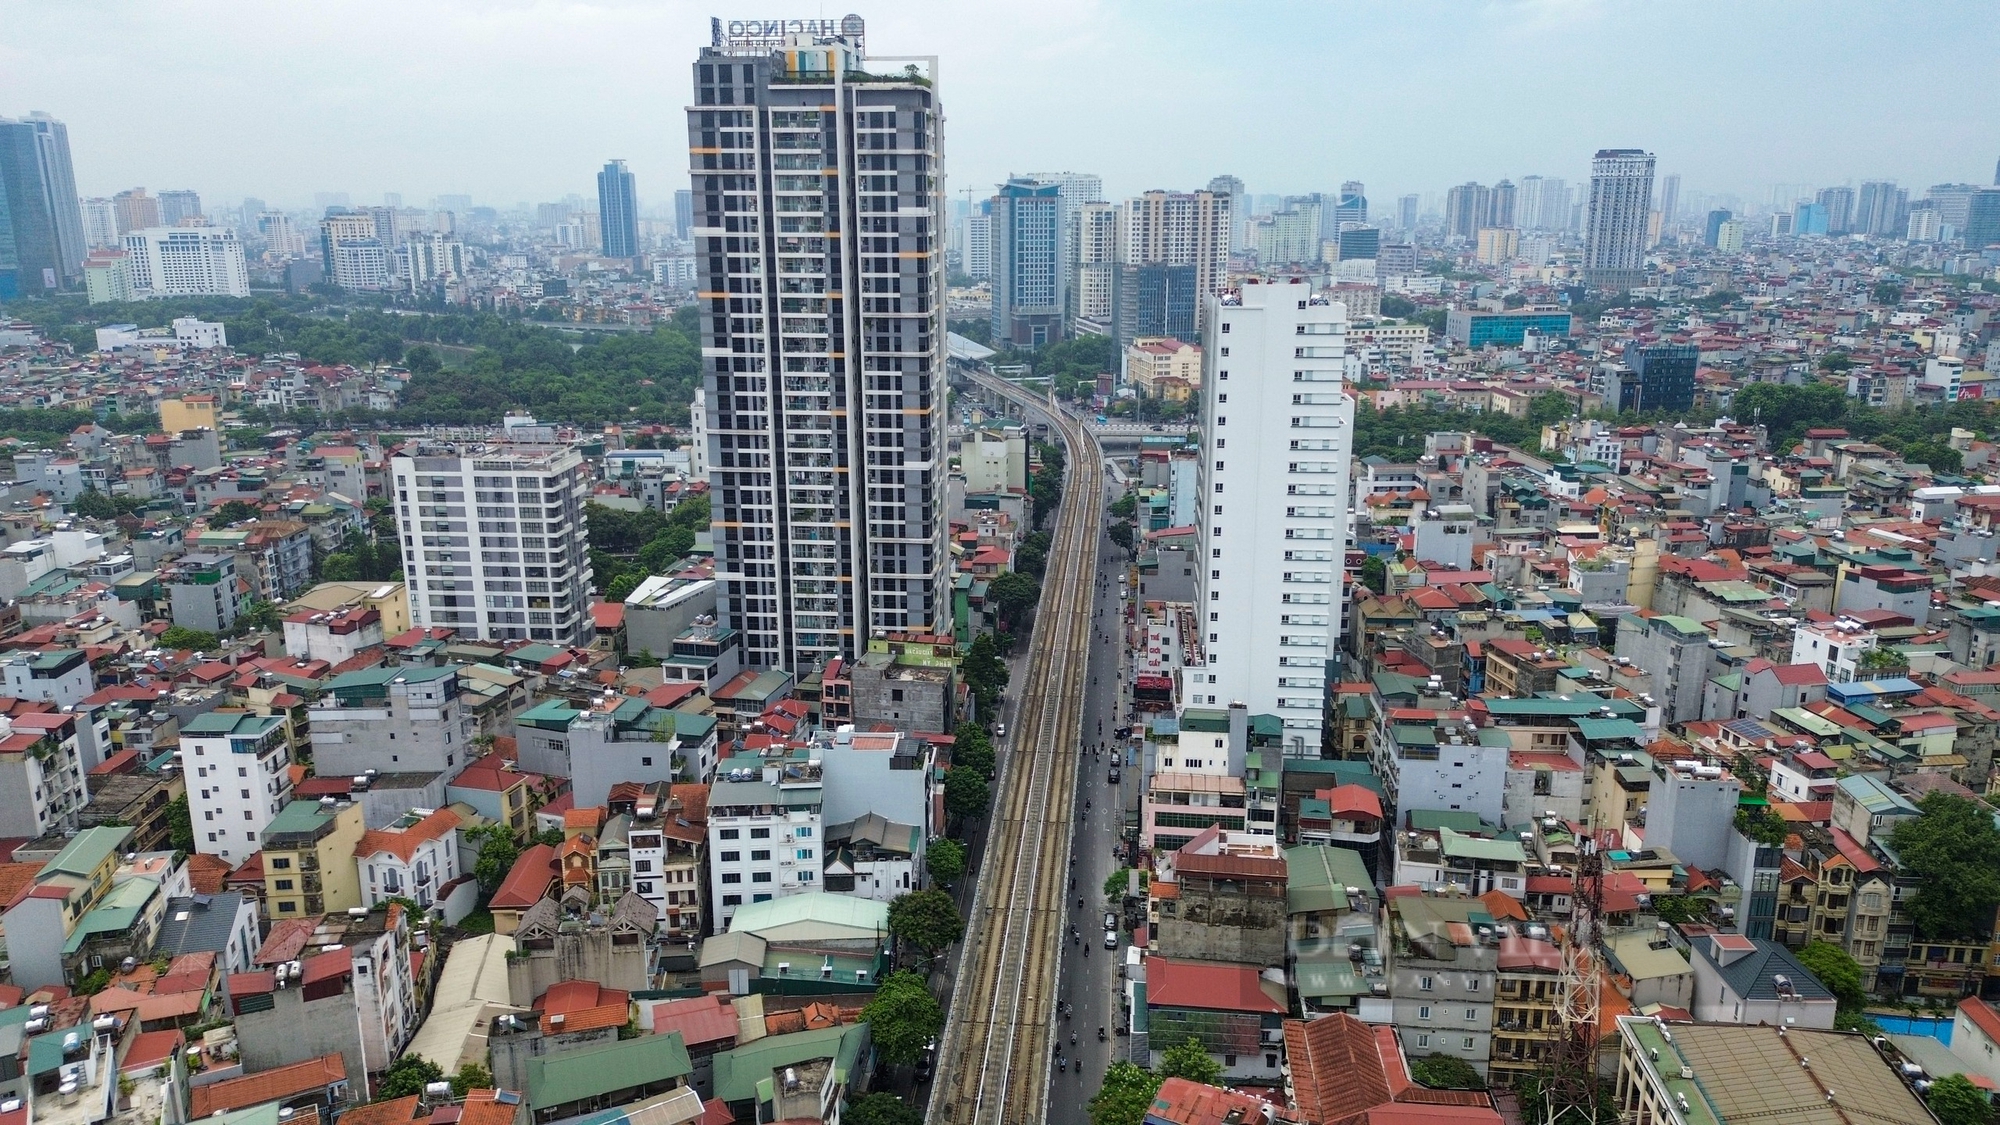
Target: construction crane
1570, 1089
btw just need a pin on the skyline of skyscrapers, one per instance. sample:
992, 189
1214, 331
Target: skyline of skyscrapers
618, 211
823, 344
1620, 215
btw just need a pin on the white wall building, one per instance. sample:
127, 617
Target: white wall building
765, 831
1836, 646
186, 262
697, 447
413, 858
1273, 524
193, 332
493, 540
235, 765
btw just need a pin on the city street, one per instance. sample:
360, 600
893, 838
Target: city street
1090, 983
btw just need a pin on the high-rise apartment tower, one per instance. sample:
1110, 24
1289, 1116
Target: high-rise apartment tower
818, 188
1621, 208
1273, 524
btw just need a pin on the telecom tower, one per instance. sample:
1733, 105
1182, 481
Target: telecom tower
1570, 1089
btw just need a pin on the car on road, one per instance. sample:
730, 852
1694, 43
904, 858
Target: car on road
1157, 428
1111, 939
1110, 920
1114, 775
1000, 729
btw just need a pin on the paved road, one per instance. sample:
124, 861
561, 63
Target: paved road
1091, 983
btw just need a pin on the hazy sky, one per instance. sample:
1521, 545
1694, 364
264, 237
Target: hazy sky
522, 100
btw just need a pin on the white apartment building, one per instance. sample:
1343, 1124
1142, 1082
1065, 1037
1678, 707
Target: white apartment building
1837, 646
1096, 248
237, 781
978, 247
432, 257
186, 262
100, 224
360, 265
1273, 525
42, 772
1172, 229
493, 540
765, 832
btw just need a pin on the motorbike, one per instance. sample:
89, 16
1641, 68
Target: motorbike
1100, 1035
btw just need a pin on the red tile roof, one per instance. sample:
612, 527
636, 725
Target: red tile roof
1981, 1015
269, 1086
1182, 1102
527, 881
1209, 985
704, 1019
403, 845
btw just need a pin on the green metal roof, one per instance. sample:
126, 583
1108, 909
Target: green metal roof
301, 818
87, 851
1462, 846
572, 1076
1555, 707
550, 714
1316, 877
1207, 720
739, 1069
114, 912
1600, 730
1424, 820
839, 910
231, 723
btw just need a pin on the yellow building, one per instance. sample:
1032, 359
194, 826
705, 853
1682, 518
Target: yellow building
193, 412
1163, 367
309, 860
390, 599
1498, 245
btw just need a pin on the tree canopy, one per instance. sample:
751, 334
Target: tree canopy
1953, 850
903, 1017
1840, 973
945, 860
1954, 1100
1190, 1060
881, 1108
407, 1077
966, 794
1126, 1094
928, 920
1446, 1072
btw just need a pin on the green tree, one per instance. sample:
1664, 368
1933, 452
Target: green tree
1681, 909
1953, 850
233, 512
498, 849
945, 860
1788, 411
881, 1108
1940, 457
966, 794
1126, 506
622, 586
1836, 970
1014, 594
903, 1017
1032, 556
1548, 407
407, 1077
1886, 660
1759, 823
928, 920
471, 1076
1123, 534
179, 637
180, 825
1445, 1072
1190, 1060
1954, 1100
971, 749
1125, 1096
1836, 362
262, 615
984, 672
1375, 573
422, 360
1397, 306
1888, 292
1116, 883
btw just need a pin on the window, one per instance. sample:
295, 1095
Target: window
288, 907
1424, 983
732, 877
802, 853
731, 857
760, 855
760, 876
804, 833
732, 900
282, 884
1468, 1042
280, 864
760, 833
1472, 1015
1424, 1011
645, 761
1423, 1040
729, 833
